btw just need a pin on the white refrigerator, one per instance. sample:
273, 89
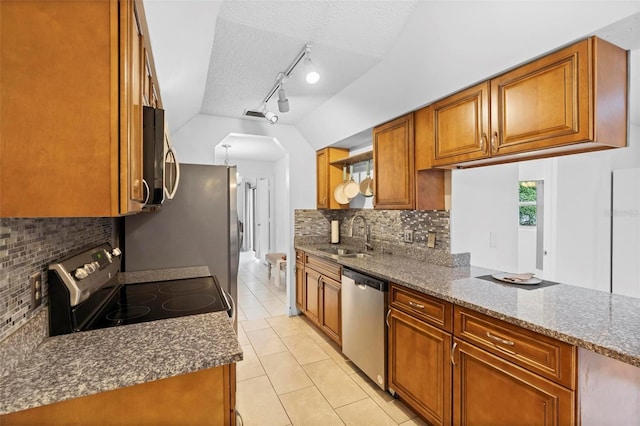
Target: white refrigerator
625, 232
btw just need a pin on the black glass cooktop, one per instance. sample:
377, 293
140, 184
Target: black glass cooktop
135, 303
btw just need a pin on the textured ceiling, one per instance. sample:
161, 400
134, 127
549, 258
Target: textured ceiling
255, 40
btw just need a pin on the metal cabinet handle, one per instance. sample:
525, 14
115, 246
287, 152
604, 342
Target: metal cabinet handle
415, 305
453, 350
499, 339
386, 320
483, 142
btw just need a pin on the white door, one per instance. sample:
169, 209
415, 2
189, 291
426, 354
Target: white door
263, 217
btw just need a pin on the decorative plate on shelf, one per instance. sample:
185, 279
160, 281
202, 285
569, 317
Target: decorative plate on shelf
520, 279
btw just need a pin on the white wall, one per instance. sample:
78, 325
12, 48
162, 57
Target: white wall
281, 180
446, 46
195, 143
609, 391
484, 215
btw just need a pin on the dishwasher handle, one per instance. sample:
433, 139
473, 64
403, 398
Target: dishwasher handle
364, 280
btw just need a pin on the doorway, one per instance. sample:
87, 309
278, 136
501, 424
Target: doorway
258, 216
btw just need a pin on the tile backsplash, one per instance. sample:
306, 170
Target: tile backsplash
30, 245
387, 230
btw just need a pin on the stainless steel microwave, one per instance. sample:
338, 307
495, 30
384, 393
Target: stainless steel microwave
161, 170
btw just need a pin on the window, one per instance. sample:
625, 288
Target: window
527, 200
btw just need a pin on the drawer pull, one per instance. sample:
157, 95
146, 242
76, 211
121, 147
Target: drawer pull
415, 305
499, 339
453, 351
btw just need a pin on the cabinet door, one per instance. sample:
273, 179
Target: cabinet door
322, 179
393, 164
331, 308
461, 126
488, 390
312, 294
132, 76
419, 366
300, 287
544, 103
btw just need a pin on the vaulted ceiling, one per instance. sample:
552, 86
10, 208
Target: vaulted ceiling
232, 51
378, 59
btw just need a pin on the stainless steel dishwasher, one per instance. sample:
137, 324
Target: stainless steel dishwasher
363, 328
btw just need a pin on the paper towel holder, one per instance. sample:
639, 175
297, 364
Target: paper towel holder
335, 232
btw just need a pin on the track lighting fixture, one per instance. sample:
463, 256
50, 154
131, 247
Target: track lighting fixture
283, 102
270, 116
311, 73
311, 76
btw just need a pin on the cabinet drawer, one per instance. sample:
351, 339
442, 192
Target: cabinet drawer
325, 267
544, 355
434, 311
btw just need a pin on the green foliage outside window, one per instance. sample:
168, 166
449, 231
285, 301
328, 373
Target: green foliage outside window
527, 203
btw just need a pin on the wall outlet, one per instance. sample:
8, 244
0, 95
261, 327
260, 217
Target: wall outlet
35, 283
408, 235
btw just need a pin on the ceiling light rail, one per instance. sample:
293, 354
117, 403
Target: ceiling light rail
312, 77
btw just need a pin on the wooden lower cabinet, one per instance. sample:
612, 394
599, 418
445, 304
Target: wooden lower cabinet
312, 294
300, 285
331, 308
319, 294
419, 367
488, 390
206, 397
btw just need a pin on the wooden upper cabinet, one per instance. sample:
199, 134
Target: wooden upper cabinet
460, 126
569, 101
132, 83
393, 164
328, 176
71, 117
575, 95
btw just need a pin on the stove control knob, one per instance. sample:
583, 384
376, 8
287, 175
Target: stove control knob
89, 267
80, 273
108, 255
96, 265
116, 252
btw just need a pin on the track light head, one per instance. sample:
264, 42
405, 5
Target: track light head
271, 117
283, 102
311, 73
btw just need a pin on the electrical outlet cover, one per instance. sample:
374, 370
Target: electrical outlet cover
35, 284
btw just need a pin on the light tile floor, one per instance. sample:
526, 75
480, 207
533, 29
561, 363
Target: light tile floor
292, 374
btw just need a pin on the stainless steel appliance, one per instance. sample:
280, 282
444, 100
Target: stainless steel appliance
198, 227
161, 170
364, 301
85, 294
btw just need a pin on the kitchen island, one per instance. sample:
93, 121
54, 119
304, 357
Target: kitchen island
458, 340
605, 323
71, 367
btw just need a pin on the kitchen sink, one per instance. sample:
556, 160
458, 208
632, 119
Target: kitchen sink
358, 255
343, 252
338, 251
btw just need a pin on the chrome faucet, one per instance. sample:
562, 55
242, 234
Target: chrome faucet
367, 231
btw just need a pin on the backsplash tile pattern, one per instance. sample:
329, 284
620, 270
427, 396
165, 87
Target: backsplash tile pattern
387, 230
30, 245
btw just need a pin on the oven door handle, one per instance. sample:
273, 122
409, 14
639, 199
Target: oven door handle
232, 303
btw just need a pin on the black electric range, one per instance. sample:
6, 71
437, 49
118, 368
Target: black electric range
85, 294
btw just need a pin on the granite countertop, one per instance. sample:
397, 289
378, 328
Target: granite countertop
85, 363
606, 323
